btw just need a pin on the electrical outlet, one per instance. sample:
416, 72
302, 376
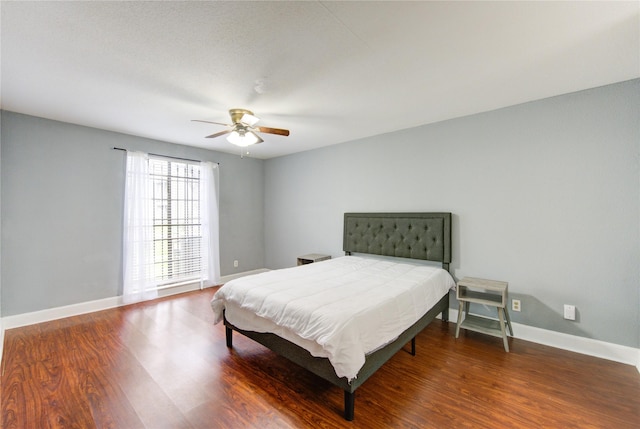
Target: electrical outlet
570, 312
235, 263
515, 305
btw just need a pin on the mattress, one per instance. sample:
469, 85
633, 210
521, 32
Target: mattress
341, 309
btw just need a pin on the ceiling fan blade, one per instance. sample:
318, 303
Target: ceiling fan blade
210, 122
221, 133
278, 131
259, 139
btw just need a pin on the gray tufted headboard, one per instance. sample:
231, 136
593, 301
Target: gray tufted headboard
406, 235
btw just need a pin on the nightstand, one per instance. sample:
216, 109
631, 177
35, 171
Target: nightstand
311, 258
487, 292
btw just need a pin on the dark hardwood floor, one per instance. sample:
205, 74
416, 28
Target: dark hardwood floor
163, 364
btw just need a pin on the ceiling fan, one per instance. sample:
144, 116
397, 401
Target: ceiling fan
242, 131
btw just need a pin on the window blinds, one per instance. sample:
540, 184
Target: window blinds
177, 231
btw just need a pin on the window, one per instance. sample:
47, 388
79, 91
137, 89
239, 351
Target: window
170, 225
177, 231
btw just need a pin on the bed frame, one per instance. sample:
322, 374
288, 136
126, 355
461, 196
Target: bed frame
425, 236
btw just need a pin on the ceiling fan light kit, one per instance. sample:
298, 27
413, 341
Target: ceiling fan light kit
242, 132
243, 138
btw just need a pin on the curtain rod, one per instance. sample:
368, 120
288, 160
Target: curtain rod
166, 156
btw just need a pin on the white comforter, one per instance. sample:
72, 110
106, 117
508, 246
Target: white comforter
340, 309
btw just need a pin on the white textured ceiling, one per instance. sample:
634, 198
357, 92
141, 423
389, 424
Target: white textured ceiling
330, 72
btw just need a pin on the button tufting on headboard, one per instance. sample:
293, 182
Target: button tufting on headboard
397, 234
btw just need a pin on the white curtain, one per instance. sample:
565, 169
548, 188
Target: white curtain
138, 273
209, 219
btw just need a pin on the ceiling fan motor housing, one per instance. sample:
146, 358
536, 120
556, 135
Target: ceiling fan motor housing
237, 114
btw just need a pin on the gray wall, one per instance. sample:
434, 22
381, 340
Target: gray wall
61, 212
1, 328
544, 196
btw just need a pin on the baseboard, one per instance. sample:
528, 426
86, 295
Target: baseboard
226, 279
24, 319
587, 346
574, 343
47, 315
1, 340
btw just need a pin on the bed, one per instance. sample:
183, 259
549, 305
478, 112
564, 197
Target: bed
341, 352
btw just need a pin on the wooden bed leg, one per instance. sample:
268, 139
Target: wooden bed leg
445, 315
229, 334
413, 346
349, 405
